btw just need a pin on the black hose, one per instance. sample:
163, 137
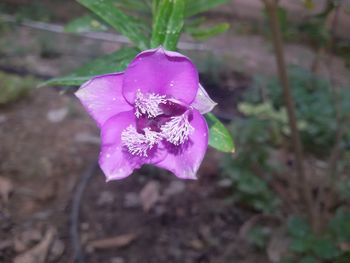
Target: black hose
75, 211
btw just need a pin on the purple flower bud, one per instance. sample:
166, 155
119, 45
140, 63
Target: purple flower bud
150, 114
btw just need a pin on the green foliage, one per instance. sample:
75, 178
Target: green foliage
322, 247
276, 118
219, 136
288, 29
168, 23
316, 31
315, 107
110, 63
87, 23
298, 227
199, 6
251, 189
248, 187
258, 236
120, 21
343, 188
14, 87
205, 33
255, 137
309, 259
265, 127
340, 226
143, 6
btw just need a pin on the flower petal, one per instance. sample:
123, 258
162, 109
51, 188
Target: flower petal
115, 160
203, 103
184, 160
102, 97
163, 73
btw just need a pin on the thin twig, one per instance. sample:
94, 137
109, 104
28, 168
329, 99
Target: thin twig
301, 180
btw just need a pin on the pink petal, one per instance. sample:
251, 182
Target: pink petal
102, 97
115, 160
184, 160
203, 103
161, 72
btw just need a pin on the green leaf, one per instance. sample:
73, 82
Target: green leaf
287, 260
155, 4
258, 236
194, 7
308, 259
219, 136
168, 23
301, 245
83, 24
205, 33
298, 227
175, 25
113, 62
65, 81
325, 248
122, 22
340, 225
134, 5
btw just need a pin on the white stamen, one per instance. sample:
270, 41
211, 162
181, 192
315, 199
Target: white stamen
138, 143
148, 104
177, 130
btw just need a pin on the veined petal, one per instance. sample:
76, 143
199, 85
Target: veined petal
163, 73
115, 160
102, 97
185, 159
203, 103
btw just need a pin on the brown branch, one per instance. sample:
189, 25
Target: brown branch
305, 191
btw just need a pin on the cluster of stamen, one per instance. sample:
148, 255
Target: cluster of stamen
139, 143
148, 104
175, 130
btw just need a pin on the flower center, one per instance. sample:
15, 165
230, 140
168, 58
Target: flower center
157, 118
177, 129
139, 143
148, 104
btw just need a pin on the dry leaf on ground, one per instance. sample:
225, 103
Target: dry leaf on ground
38, 253
278, 245
113, 242
345, 246
149, 195
6, 188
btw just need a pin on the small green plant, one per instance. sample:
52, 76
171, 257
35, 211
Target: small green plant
263, 132
14, 87
315, 107
252, 156
331, 245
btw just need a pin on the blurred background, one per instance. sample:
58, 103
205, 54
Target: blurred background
246, 207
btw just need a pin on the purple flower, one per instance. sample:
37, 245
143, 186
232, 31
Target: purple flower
150, 114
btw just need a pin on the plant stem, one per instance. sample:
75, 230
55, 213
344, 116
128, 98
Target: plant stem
305, 191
